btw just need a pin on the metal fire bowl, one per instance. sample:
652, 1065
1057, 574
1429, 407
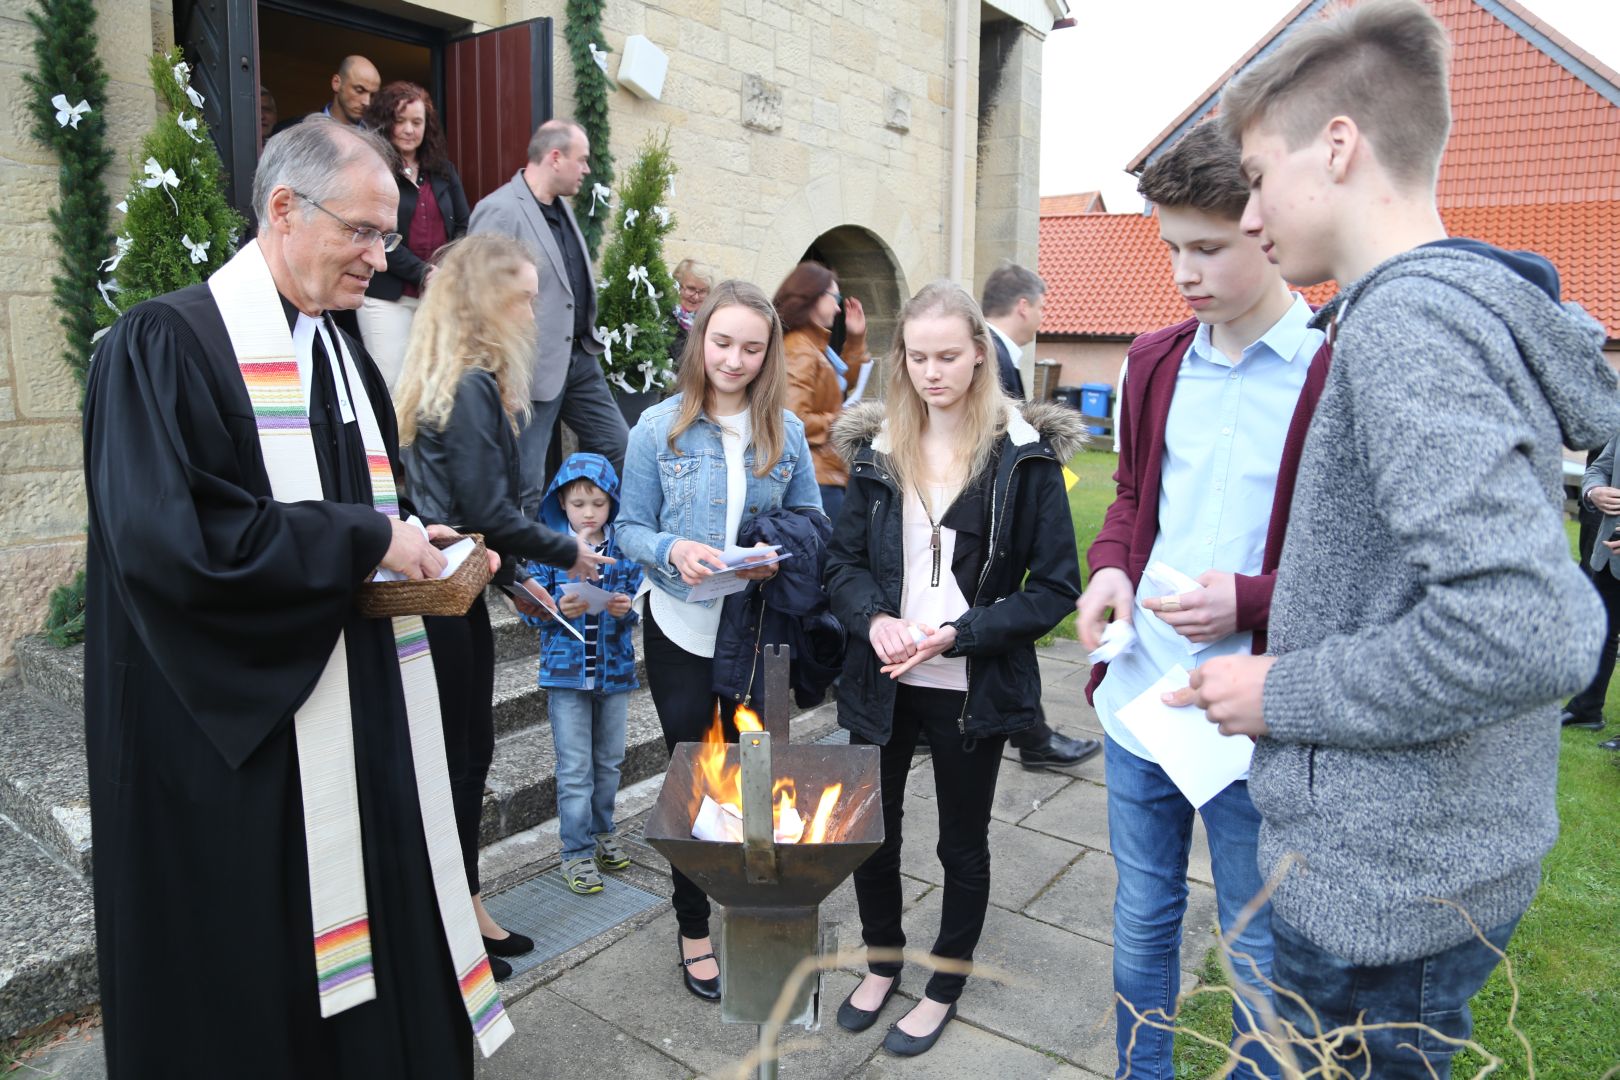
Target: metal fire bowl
806, 873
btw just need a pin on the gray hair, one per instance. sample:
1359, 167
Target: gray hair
552, 135
310, 157
1006, 285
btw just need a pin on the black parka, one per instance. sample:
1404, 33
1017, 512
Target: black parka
1015, 562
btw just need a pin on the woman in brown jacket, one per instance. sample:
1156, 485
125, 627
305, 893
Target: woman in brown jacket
808, 302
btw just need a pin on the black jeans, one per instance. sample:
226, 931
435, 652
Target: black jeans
1588, 704
682, 691
964, 787
464, 667
1431, 990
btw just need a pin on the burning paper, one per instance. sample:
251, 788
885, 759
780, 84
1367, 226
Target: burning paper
723, 823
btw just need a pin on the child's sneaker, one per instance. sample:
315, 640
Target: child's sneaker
610, 855
581, 876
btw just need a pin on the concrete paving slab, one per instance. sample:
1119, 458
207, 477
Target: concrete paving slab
1082, 902
1022, 862
1060, 999
964, 1052
555, 1037
635, 986
1078, 814
1019, 791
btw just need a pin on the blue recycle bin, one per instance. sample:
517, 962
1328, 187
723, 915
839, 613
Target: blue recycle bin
1096, 399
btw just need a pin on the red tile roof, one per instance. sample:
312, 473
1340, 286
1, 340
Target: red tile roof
1084, 202
1108, 276
1528, 123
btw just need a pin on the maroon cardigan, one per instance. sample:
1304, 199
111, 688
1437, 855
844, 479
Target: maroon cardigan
1132, 522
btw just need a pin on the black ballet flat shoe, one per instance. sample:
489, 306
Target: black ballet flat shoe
900, 1044
500, 969
851, 1018
707, 989
513, 944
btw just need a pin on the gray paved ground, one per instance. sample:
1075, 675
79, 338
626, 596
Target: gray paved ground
614, 1008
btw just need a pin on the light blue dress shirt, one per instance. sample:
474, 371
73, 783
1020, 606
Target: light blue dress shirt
1223, 443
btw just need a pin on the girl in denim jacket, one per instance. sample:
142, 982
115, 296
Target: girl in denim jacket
699, 466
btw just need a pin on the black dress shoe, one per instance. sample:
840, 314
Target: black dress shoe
1610, 744
510, 945
707, 989
900, 1044
852, 1019
500, 969
1570, 720
1060, 752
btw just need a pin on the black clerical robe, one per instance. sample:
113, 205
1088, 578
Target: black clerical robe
211, 610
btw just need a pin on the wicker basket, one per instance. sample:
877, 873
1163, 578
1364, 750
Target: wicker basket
443, 596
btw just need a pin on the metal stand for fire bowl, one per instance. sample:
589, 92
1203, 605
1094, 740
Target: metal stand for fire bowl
771, 892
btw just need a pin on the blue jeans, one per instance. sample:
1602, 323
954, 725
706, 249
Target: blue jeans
1431, 990
587, 728
1150, 829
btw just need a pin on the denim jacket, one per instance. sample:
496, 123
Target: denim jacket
680, 494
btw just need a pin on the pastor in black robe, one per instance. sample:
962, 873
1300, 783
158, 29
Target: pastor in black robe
211, 610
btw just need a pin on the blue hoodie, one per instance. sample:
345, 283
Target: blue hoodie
562, 656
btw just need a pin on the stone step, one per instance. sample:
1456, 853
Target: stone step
47, 936
44, 781
56, 674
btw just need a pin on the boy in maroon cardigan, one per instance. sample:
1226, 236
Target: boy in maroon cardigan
1215, 413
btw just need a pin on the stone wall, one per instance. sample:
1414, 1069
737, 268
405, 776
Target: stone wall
791, 118
41, 487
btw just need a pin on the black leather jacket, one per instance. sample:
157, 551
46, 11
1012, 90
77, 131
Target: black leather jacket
468, 476
1015, 562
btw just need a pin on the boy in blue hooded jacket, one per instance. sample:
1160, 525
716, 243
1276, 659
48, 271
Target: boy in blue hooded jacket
587, 682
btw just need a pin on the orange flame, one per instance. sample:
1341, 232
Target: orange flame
723, 783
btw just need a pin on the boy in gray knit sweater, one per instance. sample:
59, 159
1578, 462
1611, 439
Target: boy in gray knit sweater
1427, 617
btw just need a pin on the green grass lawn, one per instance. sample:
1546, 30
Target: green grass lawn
1565, 955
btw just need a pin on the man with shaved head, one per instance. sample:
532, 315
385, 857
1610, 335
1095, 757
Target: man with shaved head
356, 80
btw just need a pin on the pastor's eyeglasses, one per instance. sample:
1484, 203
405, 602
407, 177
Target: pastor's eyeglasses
362, 235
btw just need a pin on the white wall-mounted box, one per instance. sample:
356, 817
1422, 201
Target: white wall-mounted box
643, 67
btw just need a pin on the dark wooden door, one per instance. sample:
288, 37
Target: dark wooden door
497, 90
220, 38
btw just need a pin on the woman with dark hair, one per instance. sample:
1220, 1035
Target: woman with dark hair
819, 379
432, 212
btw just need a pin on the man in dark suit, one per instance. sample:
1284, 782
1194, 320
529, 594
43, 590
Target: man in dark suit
1014, 300
568, 381
1600, 495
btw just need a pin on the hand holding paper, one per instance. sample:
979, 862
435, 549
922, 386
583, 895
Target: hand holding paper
1171, 590
1199, 760
1231, 689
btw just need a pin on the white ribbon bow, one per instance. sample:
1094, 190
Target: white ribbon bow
158, 177
182, 73
109, 286
69, 115
630, 331
607, 338
630, 216
195, 98
662, 214
669, 185
122, 206
600, 196
599, 55
618, 379
649, 374
188, 126
199, 252
124, 243
637, 278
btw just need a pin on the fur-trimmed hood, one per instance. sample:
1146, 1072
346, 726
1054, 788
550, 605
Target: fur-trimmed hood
1027, 422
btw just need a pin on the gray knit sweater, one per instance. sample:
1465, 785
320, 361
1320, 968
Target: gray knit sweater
1427, 615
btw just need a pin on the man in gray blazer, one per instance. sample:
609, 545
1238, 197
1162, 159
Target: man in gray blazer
1600, 490
567, 382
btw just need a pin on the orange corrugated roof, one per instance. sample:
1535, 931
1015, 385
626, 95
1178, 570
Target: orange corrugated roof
1083, 202
1525, 127
1107, 274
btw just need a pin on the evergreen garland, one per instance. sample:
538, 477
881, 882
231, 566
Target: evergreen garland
634, 297
583, 29
64, 620
76, 129
178, 228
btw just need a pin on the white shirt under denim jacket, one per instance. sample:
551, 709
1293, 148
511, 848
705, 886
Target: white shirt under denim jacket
681, 494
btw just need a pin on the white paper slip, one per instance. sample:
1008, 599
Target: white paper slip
1118, 639
1165, 580
735, 557
725, 582
718, 584
1199, 760
596, 598
454, 556
520, 588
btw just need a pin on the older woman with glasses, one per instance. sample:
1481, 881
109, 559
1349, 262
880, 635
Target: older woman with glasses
819, 379
694, 280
